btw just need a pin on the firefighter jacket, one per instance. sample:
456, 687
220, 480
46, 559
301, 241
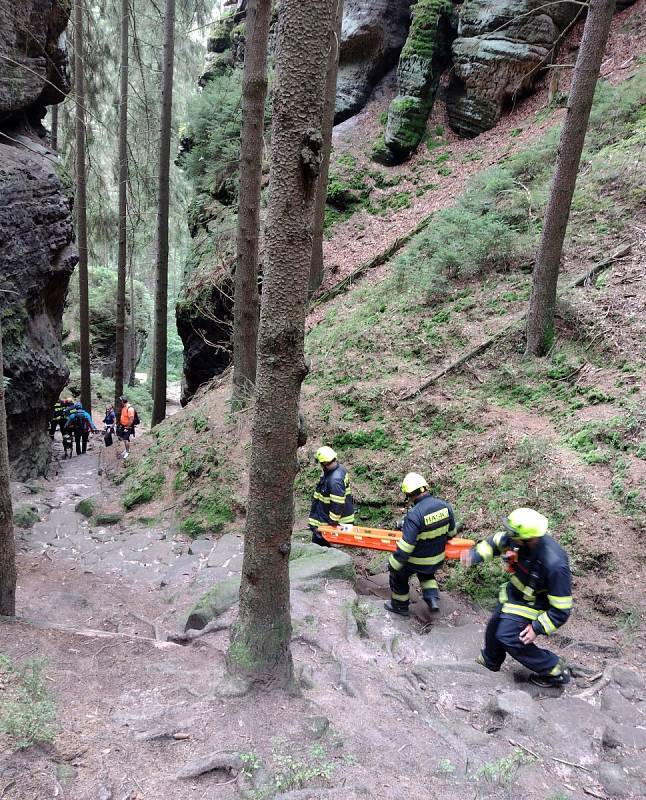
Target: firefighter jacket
60, 413
427, 526
332, 501
540, 586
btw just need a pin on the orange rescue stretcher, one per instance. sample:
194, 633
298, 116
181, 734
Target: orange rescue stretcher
381, 539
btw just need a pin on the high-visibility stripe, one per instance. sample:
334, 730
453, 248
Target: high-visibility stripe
498, 537
335, 517
436, 516
337, 498
556, 669
407, 547
321, 498
346, 520
396, 565
484, 550
402, 598
434, 534
520, 611
528, 592
315, 522
502, 594
429, 584
562, 603
428, 560
546, 623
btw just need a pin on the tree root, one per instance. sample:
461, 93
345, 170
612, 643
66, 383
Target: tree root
226, 762
194, 633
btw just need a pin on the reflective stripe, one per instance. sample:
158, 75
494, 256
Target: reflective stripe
396, 565
484, 550
321, 498
562, 603
528, 592
498, 537
502, 594
428, 560
520, 611
556, 669
346, 520
337, 498
335, 517
407, 547
436, 516
315, 522
429, 584
403, 598
434, 534
546, 623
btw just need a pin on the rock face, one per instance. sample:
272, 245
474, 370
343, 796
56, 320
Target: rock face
36, 254
500, 46
372, 36
422, 60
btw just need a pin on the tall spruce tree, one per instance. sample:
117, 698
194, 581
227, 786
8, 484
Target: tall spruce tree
245, 303
161, 271
542, 303
259, 651
316, 274
80, 204
7, 544
119, 360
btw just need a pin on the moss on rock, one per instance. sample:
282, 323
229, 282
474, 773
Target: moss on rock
25, 516
86, 506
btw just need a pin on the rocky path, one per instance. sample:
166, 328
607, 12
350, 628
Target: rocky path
389, 707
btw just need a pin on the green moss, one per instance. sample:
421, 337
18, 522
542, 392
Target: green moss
108, 519
25, 516
145, 491
86, 506
212, 512
422, 36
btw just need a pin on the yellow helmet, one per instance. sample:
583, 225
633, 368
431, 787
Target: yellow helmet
412, 482
324, 455
525, 523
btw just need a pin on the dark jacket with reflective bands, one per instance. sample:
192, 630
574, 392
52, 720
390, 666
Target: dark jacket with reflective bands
332, 501
427, 526
540, 587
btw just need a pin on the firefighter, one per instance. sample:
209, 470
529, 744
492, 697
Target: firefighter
332, 500
425, 530
535, 601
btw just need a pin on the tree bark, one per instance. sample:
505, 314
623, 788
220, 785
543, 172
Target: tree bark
316, 271
119, 360
133, 330
161, 284
542, 303
245, 304
259, 651
81, 208
53, 135
7, 544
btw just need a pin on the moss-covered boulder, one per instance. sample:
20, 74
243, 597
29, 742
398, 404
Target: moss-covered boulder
86, 506
423, 57
25, 516
108, 519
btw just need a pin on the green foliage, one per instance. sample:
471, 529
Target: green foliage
481, 584
86, 506
212, 512
143, 491
446, 767
370, 440
503, 771
288, 772
28, 712
25, 516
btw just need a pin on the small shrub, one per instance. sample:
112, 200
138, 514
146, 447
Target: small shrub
25, 516
371, 440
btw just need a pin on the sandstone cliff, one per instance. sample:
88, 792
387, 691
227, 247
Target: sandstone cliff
36, 252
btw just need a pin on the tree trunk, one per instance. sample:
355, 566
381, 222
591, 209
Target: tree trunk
133, 330
53, 135
123, 186
81, 207
316, 272
259, 651
161, 283
245, 304
7, 544
542, 303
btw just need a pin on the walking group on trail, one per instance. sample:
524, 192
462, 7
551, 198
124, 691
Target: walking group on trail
76, 424
535, 601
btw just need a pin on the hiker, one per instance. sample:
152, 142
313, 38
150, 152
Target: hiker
128, 419
535, 601
426, 529
332, 501
80, 423
109, 422
62, 409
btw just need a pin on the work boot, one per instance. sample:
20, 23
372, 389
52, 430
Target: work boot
559, 676
396, 609
433, 602
487, 664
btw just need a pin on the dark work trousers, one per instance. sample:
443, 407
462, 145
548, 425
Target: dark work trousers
81, 437
317, 538
501, 638
399, 585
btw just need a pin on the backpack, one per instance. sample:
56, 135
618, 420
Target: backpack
76, 422
136, 420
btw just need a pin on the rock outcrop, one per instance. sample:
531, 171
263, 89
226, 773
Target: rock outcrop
372, 36
36, 252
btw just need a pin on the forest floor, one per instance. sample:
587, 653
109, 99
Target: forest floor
388, 708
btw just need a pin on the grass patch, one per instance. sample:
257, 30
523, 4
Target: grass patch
144, 491
481, 584
25, 516
28, 711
